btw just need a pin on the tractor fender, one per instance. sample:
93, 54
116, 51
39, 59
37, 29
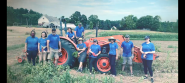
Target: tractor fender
69, 41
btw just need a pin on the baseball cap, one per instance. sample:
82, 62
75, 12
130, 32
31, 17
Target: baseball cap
80, 24
95, 40
146, 37
53, 29
127, 36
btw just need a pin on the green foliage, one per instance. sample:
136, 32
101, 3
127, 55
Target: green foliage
157, 48
75, 54
171, 46
91, 25
129, 22
94, 19
15, 46
140, 36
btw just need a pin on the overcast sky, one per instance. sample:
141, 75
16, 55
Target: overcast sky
105, 9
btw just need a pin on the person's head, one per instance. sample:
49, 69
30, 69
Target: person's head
43, 34
112, 40
127, 38
80, 41
54, 31
95, 41
79, 25
70, 30
32, 34
147, 39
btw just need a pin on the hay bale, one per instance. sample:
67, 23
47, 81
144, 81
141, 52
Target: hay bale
27, 33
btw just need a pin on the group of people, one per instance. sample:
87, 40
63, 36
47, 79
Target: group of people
52, 44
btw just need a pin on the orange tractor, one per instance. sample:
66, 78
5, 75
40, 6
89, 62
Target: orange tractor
102, 64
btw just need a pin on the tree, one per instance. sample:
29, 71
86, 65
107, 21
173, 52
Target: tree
94, 19
75, 17
156, 23
83, 20
130, 22
91, 25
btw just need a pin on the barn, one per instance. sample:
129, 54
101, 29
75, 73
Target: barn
46, 21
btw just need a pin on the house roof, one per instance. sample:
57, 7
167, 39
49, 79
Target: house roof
51, 18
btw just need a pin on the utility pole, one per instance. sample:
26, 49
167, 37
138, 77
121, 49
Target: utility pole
97, 29
61, 26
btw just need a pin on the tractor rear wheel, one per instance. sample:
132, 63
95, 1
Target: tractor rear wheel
102, 63
67, 50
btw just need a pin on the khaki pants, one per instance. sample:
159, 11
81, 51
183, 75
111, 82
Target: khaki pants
53, 53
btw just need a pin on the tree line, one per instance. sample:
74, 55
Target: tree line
129, 22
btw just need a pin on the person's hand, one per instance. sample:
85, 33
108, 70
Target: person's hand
59, 50
116, 57
39, 52
48, 51
144, 56
145, 52
25, 50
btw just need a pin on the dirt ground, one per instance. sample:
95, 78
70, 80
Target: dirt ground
16, 36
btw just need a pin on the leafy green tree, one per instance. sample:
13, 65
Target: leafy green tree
94, 19
91, 25
75, 17
83, 20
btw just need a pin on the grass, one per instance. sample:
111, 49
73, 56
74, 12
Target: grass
15, 47
171, 46
140, 35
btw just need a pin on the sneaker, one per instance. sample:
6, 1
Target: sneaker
81, 70
145, 77
132, 74
152, 80
113, 75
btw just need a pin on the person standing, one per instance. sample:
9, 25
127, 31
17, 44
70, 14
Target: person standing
78, 31
147, 51
95, 50
42, 47
81, 48
31, 47
113, 55
54, 46
128, 51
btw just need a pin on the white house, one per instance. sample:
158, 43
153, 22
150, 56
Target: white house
46, 20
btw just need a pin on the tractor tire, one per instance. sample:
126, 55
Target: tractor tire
102, 63
67, 50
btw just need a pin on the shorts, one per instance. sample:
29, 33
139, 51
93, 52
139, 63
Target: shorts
127, 59
53, 53
82, 57
42, 56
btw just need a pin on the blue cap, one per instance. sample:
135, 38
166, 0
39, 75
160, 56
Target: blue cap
147, 37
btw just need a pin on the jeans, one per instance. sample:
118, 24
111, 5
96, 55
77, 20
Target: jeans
32, 55
112, 60
148, 65
91, 62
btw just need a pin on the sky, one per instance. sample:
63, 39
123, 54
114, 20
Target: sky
104, 9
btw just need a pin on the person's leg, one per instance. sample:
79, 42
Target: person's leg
124, 62
91, 63
145, 66
34, 56
110, 61
50, 55
113, 64
130, 63
29, 56
56, 58
44, 57
40, 57
149, 66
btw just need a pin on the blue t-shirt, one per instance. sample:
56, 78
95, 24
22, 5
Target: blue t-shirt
113, 48
70, 35
147, 48
81, 46
53, 41
95, 49
43, 42
127, 48
32, 43
79, 31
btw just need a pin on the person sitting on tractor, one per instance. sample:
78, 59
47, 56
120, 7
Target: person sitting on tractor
78, 31
31, 47
128, 51
94, 50
42, 47
113, 55
53, 46
70, 34
147, 51
81, 47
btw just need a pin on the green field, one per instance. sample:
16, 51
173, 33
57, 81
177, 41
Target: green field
136, 35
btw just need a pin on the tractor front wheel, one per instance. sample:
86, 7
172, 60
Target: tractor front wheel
102, 63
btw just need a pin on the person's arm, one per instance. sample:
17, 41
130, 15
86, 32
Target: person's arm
141, 50
39, 47
132, 48
98, 53
117, 51
25, 49
75, 31
83, 32
48, 45
152, 50
60, 46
